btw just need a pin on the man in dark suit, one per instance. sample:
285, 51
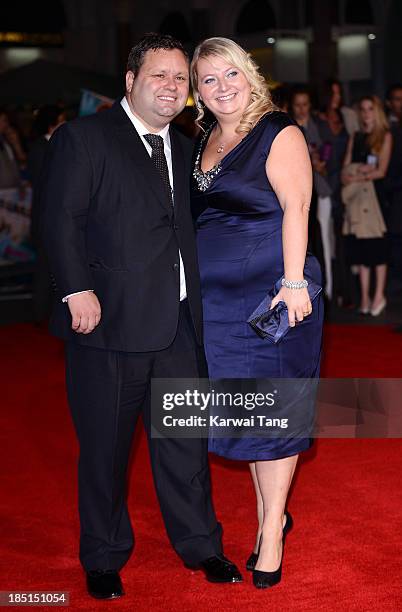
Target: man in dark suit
120, 242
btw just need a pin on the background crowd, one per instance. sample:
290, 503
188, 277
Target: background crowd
356, 212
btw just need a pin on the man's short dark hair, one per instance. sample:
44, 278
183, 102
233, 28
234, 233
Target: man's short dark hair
391, 89
152, 42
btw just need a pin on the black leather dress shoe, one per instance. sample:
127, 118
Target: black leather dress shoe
104, 584
220, 569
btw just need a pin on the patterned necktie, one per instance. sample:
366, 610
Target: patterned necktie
159, 159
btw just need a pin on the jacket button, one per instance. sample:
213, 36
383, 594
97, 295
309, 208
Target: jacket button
175, 266
175, 227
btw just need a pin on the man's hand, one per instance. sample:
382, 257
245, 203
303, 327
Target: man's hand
85, 312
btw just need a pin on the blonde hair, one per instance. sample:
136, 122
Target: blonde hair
260, 103
376, 137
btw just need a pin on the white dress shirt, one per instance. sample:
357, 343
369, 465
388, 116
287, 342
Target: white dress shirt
164, 133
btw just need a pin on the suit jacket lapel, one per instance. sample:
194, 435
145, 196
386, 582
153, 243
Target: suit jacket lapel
133, 145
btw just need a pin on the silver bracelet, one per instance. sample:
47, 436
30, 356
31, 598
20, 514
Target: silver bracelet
303, 284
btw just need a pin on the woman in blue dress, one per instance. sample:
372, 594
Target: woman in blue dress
251, 193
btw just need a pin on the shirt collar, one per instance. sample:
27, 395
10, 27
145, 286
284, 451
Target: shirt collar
140, 127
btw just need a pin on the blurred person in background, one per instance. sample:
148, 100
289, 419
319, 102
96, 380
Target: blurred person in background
301, 109
367, 159
333, 92
394, 104
9, 167
47, 120
333, 133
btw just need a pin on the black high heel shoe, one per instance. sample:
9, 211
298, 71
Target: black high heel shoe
252, 560
263, 580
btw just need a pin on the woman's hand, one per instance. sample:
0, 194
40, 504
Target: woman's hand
297, 301
347, 179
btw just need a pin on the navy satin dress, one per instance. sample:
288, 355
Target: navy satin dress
239, 236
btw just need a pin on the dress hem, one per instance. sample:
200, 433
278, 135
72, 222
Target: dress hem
262, 456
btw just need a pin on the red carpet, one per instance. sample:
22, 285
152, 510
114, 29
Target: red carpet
343, 554
361, 351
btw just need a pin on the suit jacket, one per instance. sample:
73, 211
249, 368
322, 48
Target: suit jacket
108, 225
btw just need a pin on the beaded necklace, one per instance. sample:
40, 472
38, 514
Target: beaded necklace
204, 179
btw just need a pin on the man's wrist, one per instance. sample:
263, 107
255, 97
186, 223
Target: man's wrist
66, 297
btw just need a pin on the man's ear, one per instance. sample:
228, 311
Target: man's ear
129, 80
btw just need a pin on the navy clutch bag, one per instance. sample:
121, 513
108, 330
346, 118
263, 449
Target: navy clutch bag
274, 324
